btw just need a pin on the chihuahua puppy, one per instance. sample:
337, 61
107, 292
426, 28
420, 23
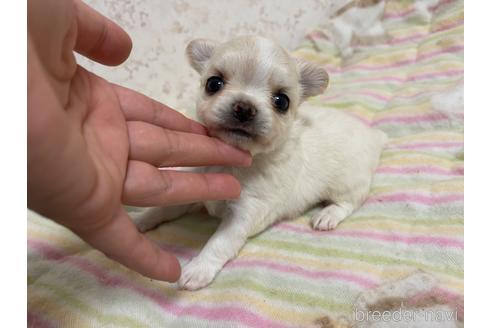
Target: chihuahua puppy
250, 97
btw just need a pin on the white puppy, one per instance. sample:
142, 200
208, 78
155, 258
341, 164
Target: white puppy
251, 90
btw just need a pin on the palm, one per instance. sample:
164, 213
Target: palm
103, 127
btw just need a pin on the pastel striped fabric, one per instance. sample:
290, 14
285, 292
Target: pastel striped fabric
290, 275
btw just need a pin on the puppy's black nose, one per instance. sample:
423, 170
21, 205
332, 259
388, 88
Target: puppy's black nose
243, 112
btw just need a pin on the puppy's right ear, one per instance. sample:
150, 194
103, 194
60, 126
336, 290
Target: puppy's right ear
199, 51
313, 78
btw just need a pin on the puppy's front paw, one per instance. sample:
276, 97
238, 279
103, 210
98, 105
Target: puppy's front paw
197, 274
328, 218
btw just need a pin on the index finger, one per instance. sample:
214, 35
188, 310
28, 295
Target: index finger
162, 147
137, 107
100, 39
120, 240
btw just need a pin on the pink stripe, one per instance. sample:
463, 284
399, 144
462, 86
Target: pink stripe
398, 14
337, 275
419, 145
406, 239
35, 320
349, 94
359, 93
435, 74
420, 57
420, 169
415, 198
317, 35
410, 78
432, 117
225, 313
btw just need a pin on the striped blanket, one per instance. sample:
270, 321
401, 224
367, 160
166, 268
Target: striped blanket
404, 247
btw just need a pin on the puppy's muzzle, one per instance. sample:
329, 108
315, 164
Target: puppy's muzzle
243, 111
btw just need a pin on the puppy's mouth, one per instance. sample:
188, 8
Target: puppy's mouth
233, 134
240, 132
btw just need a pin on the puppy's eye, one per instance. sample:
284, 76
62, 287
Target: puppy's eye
281, 102
214, 84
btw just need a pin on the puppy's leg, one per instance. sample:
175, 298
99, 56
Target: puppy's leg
151, 217
341, 207
224, 245
330, 216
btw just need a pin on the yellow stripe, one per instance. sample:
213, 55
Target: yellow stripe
451, 185
420, 159
429, 137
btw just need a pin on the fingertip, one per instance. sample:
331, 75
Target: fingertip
247, 158
173, 269
243, 157
116, 49
99, 38
235, 156
167, 269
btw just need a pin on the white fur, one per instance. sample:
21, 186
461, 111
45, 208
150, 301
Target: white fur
451, 103
451, 100
360, 22
302, 158
423, 9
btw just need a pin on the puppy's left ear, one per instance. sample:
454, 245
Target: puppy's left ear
313, 79
199, 51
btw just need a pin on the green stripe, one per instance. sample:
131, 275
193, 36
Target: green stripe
304, 248
400, 153
423, 156
281, 293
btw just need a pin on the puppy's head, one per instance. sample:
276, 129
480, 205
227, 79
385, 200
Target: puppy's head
251, 89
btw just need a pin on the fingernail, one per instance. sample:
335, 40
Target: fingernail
248, 158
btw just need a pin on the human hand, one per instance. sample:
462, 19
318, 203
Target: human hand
94, 146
